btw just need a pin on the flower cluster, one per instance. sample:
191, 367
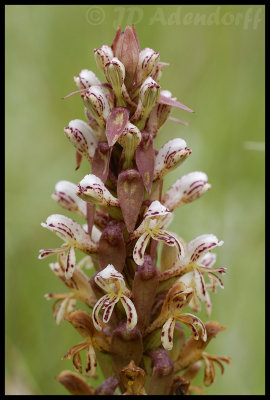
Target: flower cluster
136, 300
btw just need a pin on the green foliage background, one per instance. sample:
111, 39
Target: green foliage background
215, 68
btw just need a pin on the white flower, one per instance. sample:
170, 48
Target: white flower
155, 220
112, 282
197, 262
74, 237
186, 189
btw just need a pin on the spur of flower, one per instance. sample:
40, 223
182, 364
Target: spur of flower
136, 278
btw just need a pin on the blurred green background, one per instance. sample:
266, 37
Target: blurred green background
216, 56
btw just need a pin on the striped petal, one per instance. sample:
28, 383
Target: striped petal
109, 308
191, 321
49, 252
199, 284
68, 230
92, 189
215, 278
156, 209
85, 79
167, 334
65, 195
82, 137
66, 306
170, 156
96, 311
186, 189
70, 263
199, 246
139, 249
130, 312
91, 362
209, 372
208, 260
169, 239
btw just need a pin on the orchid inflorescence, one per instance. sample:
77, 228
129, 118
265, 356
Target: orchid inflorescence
136, 308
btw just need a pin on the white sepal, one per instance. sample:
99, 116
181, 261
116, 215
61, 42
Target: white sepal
92, 189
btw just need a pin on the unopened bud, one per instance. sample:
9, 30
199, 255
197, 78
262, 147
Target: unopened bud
170, 156
102, 56
186, 189
148, 60
95, 100
93, 190
129, 140
114, 72
82, 137
148, 97
85, 79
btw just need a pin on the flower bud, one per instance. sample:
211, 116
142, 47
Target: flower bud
85, 79
159, 115
148, 96
148, 60
186, 189
82, 137
129, 140
92, 189
102, 56
149, 93
114, 72
95, 100
129, 54
170, 156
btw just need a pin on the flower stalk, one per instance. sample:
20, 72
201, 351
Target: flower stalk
138, 298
